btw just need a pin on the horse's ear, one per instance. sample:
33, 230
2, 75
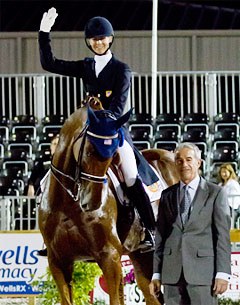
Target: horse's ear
124, 118
92, 117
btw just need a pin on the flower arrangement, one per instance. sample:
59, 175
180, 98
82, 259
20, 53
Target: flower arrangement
129, 277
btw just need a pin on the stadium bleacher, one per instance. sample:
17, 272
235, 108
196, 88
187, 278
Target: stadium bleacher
22, 141
218, 145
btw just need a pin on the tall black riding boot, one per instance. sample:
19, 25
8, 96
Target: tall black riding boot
141, 202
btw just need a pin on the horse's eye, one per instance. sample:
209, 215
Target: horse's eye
89, 154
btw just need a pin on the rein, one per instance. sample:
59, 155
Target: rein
76, 196
79, 174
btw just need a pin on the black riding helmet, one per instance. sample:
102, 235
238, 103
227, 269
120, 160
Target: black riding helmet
98, 27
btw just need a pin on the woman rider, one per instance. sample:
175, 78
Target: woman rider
108, 78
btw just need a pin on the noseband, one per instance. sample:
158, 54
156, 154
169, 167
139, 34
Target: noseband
79, 174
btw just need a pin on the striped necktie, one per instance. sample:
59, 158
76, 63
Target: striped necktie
185, 205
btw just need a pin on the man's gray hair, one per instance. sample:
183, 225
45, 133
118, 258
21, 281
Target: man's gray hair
189, 145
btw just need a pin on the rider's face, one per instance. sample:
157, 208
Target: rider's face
100, 44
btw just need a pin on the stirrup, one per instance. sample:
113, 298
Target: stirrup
148, 243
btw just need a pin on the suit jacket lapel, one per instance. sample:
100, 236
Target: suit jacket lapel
199, 201
174, 200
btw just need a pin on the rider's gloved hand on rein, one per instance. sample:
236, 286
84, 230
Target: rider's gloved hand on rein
48, 20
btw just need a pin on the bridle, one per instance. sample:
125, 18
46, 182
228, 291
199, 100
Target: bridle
79, 174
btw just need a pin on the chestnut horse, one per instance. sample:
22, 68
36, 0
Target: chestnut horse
80, 216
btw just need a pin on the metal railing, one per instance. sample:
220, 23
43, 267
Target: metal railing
177, 92
18, 213
21, 213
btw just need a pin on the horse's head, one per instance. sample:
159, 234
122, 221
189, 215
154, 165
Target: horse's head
98, 143
105, 131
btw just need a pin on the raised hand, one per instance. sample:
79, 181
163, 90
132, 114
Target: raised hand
48, 20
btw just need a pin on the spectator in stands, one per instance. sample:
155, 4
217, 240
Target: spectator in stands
192, 257
108, 78
40, 169
229, 180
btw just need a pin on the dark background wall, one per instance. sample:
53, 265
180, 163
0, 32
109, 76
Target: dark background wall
192, 35
25, 15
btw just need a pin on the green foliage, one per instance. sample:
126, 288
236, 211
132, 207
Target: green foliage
83, 282
99, 302
227, 301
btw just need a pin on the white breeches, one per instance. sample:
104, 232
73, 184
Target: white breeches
128, 163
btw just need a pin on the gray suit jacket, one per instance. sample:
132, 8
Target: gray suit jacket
202, 248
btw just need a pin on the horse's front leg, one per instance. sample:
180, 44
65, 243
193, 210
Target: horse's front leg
110, 263
62, 274
143, 267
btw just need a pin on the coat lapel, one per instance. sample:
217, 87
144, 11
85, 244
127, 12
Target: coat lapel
199, 201
174, 201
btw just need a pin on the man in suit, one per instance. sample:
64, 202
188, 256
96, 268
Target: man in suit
192, 257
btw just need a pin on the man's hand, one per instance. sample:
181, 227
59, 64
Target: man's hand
155, 288
48, 20
220, 286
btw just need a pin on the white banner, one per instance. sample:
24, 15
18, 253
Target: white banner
19, 263
233, 291
20, 266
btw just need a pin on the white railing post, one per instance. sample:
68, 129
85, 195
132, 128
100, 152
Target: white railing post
39, 96
211, 91
154, 57
211, 108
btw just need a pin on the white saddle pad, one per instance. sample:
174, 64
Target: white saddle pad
154, 191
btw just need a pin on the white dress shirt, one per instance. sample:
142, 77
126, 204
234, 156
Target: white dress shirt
101, 61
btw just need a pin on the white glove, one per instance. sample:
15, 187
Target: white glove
48, 20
